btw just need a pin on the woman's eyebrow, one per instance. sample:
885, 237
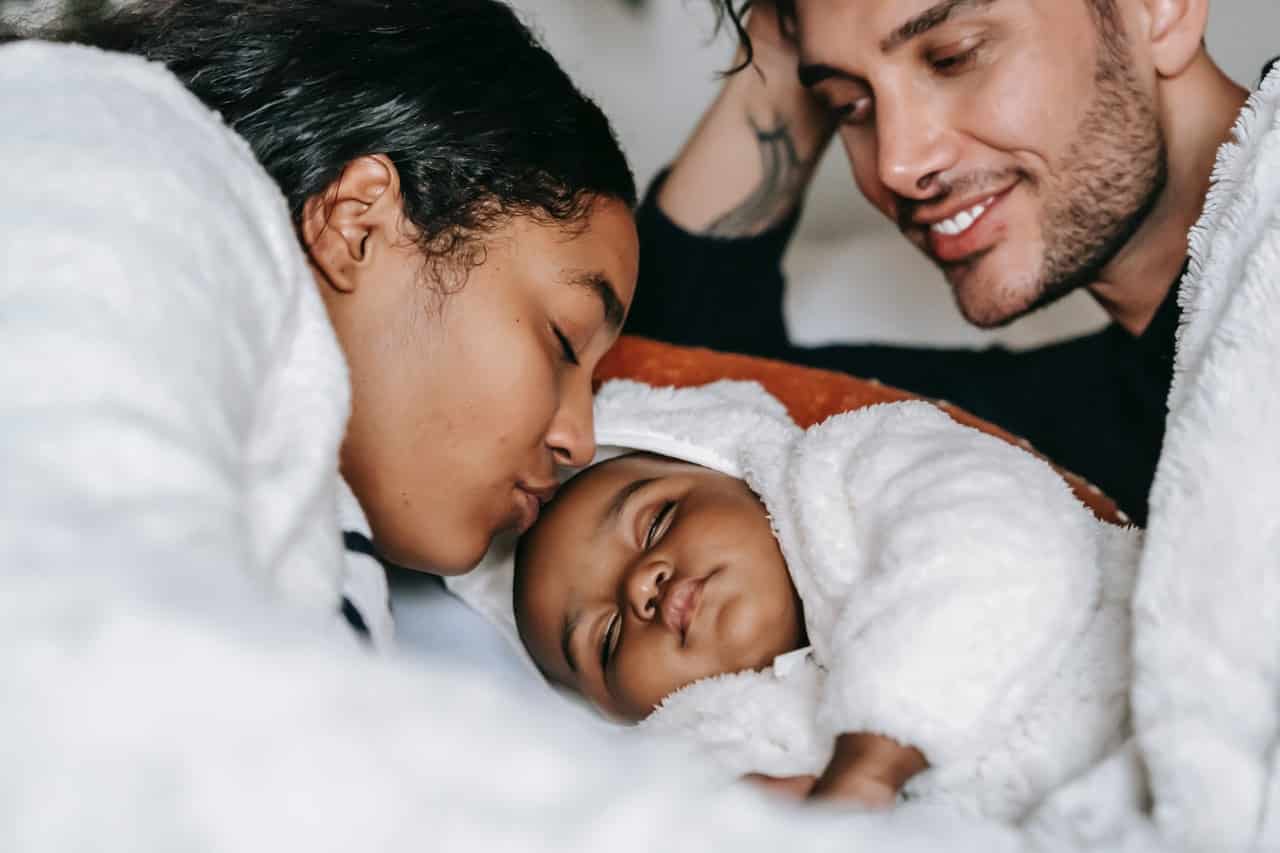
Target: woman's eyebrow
598, 283
619, 500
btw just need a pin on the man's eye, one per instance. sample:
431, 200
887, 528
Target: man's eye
659, 518
565, 346
955, 62
853, 113
608, 641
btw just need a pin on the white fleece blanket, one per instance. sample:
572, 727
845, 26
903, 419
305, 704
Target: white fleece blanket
171, 404
1201, 770
156, 698
1206, 698
957, 597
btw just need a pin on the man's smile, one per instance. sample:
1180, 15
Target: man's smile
961, 230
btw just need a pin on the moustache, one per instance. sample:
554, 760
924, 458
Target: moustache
974, 183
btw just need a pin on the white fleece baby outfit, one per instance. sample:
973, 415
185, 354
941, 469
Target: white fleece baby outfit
957, 596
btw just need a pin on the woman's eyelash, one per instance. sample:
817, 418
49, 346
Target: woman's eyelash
569, 355
658, 519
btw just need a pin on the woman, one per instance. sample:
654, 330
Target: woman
464, 216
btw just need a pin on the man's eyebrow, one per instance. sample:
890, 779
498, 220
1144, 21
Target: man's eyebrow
814, 73
566, 635
619, 500
598, 283
930, 18
811, 74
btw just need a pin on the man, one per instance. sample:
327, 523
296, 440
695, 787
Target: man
1029, 147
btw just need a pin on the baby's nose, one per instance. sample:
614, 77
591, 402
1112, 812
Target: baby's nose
644, 588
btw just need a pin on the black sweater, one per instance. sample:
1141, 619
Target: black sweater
1095, 404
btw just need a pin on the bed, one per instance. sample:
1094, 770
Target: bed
152, 709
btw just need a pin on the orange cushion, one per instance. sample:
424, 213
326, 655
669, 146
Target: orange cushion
810, 395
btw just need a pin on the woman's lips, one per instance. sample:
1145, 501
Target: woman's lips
680, 605
529, 501
527, 508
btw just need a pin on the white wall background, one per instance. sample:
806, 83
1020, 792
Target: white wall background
851, 276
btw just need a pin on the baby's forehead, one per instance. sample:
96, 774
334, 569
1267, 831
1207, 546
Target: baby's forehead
587, 496
558, 548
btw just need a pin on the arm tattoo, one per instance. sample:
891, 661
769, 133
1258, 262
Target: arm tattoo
785, 175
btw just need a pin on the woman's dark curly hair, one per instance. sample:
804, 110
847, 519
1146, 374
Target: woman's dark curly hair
476, 115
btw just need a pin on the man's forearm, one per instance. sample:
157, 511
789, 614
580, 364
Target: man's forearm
753, 154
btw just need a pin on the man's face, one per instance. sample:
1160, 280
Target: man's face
648, 574
1015, 142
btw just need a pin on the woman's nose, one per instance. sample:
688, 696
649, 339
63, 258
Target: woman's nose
571, 436
643, 587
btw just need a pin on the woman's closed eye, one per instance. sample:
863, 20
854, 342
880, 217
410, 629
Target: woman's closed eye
566, 347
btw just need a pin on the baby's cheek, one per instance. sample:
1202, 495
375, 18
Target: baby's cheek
641, 683
750, 638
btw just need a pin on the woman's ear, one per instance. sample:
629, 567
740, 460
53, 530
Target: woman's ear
1175, 31
352, 220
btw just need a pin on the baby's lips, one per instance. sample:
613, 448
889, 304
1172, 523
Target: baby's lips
680, 605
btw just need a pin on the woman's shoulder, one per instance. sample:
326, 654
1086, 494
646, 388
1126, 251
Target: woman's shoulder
96, 99
108, 142
113, 167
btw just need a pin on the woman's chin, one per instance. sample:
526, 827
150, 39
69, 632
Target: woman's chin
461, 558
436, 551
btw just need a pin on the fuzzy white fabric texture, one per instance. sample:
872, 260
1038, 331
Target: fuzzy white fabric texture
173, 395
171, 404
1199, 774
953, 590
170, 409
1205, 612
1206, 696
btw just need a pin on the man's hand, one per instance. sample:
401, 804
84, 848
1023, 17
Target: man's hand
770, 48
747, 165
868, 769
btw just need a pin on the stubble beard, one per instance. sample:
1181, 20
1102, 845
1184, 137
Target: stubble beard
1110, 178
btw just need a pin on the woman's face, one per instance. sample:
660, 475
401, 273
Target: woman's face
464, 404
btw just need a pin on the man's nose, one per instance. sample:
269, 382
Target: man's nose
915, 146
643, 586
572, 433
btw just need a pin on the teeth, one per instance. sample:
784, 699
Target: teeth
962, 221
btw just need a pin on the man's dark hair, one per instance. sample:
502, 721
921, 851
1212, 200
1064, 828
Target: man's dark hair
1105, 13
734, 11
478, 118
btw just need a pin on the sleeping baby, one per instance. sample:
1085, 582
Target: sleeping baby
889, 602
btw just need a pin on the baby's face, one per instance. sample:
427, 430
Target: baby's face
647, 574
